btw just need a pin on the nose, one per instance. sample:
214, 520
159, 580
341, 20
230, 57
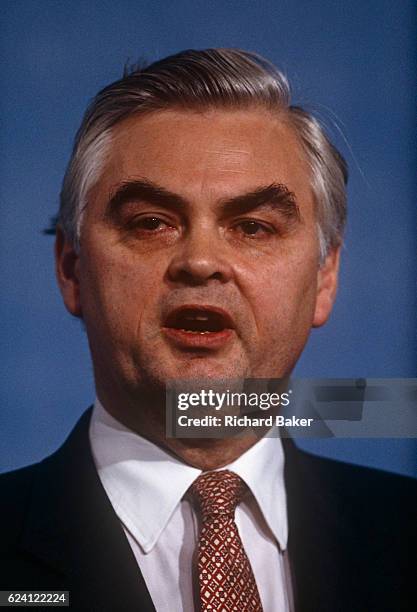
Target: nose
201, 256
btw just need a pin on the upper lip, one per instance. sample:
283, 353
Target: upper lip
199, 317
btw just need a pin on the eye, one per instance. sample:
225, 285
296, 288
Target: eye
150, 224
253, 228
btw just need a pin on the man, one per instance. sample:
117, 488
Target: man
198, 237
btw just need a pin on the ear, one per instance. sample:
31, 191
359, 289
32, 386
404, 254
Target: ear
67, 272
326, 287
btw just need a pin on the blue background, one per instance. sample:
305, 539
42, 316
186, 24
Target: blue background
353, 62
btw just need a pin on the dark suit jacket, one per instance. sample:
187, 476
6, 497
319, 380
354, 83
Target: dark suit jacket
352, 535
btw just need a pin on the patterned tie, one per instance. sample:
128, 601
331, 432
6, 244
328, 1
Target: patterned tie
226, 579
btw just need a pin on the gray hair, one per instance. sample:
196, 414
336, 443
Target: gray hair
213, 78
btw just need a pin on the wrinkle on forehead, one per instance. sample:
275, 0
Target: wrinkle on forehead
229, 159
208, 155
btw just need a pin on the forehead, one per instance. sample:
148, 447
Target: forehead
212, 153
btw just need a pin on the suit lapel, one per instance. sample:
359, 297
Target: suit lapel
323, 555
72, 527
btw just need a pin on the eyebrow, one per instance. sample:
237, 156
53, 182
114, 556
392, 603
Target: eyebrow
276, 196
136, 190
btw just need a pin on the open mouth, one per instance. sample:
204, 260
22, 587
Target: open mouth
198, 327
198, 320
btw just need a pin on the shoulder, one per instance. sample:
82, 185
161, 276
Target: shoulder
351, 480
358, 519
374, 500
16, 492
41, 483
16, 487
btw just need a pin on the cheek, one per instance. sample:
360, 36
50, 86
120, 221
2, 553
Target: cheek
282, 298
116, 291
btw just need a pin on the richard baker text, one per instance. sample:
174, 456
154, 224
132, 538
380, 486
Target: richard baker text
244, 421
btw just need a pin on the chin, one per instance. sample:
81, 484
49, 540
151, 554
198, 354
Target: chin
203, 368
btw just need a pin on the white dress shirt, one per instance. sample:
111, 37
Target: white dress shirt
147, 488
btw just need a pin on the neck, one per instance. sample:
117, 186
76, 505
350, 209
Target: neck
210, 454
149, 421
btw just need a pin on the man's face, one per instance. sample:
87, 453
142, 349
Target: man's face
199, 251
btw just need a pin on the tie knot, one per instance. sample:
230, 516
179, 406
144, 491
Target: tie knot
218, 493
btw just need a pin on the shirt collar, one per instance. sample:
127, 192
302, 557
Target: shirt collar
262, 469
143, 480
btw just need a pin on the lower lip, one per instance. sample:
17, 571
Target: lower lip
210, 340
